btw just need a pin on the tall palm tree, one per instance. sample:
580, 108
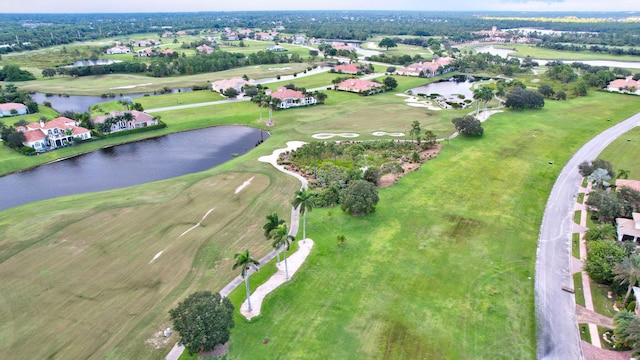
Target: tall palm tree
273, 221
245, 261
304, 201
281, 238
628, 272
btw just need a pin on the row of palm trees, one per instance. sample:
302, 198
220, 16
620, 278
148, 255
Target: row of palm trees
276, 231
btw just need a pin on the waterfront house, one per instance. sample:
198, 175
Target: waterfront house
118, 50
235, 83
50, 135
119, 122
12, 109
292, 98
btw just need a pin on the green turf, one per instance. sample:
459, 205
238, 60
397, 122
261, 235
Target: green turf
130, 83
575, 245
580, 198
576, 216
577, 286
585, 334
601, 303
623, 153
543, 53
161, 101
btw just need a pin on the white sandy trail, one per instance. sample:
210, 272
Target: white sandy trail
157, 256
244, 185
198, 224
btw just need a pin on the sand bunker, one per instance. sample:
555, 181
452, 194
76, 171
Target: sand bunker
198, 224
323, 136
130, 86
244, 185
384, 133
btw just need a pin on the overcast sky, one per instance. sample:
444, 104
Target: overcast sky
91, 6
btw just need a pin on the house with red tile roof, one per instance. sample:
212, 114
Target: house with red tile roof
633, 184
12, 109
138, 120
145, 52
292, 98
167, 52
626, 85
342, 46
50, 135
118, 50
359, 86
181, 32
353, 69
425, 68
204, 49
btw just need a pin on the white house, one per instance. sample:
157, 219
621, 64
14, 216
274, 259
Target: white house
629, 227
12, 109
236, 83
118, 50
292, 98
627, 85
139, 120
276, 48
59, 132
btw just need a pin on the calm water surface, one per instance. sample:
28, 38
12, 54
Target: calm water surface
129, 164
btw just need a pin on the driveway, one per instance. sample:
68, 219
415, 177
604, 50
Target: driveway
558, 336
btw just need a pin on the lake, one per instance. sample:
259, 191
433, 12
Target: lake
81, 103
129, 164
506, 53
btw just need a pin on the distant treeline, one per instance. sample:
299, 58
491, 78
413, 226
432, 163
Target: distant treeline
174, 64
32, 31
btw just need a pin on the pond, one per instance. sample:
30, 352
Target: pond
506, 53
130, 164
80, 63
456, 89
81, 103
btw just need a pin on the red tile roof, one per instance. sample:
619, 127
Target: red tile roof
12, 106
358, 84
33, 135
284, 93
628, 82
633, 184
353, 68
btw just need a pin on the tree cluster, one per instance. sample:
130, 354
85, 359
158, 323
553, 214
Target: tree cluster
519, 99
468, 126
13, 73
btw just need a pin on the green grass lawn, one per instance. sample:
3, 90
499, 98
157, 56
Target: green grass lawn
307, 82
524, 50
576, 216
130, 83
601, 303
160, 101
443, 269
623, 153
575, 245
580, 198
577, 286
585, 334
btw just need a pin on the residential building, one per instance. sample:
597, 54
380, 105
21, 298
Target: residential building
629, 228
59, 132
236, 83
118, 50
627, 85
265, 36
181, 33
205, 49
292, 98
145, 52
276, 48
360, 86
145, 43
342, 46
12, 109
139, 119
424, 68
167, 52
353, 68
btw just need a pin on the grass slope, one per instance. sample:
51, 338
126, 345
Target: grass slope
444, 267
543, 53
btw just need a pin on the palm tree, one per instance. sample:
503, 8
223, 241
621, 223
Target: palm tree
304, 201
623, 174
245, 261
273, 221
628, 272
281, 238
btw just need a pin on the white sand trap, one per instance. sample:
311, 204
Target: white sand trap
198, 224
129, 86
415, 102
244, 185
282, 68
384, 133
155, 257
293, 264
403, 95
323, 136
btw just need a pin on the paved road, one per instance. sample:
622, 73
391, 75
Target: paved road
558, 336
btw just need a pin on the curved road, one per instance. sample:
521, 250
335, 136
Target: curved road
558, 336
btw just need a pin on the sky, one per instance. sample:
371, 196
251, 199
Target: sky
93, 6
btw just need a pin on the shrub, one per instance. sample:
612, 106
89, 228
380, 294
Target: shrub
359, 198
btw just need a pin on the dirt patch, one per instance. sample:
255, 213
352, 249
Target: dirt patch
158, 340
407, 167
